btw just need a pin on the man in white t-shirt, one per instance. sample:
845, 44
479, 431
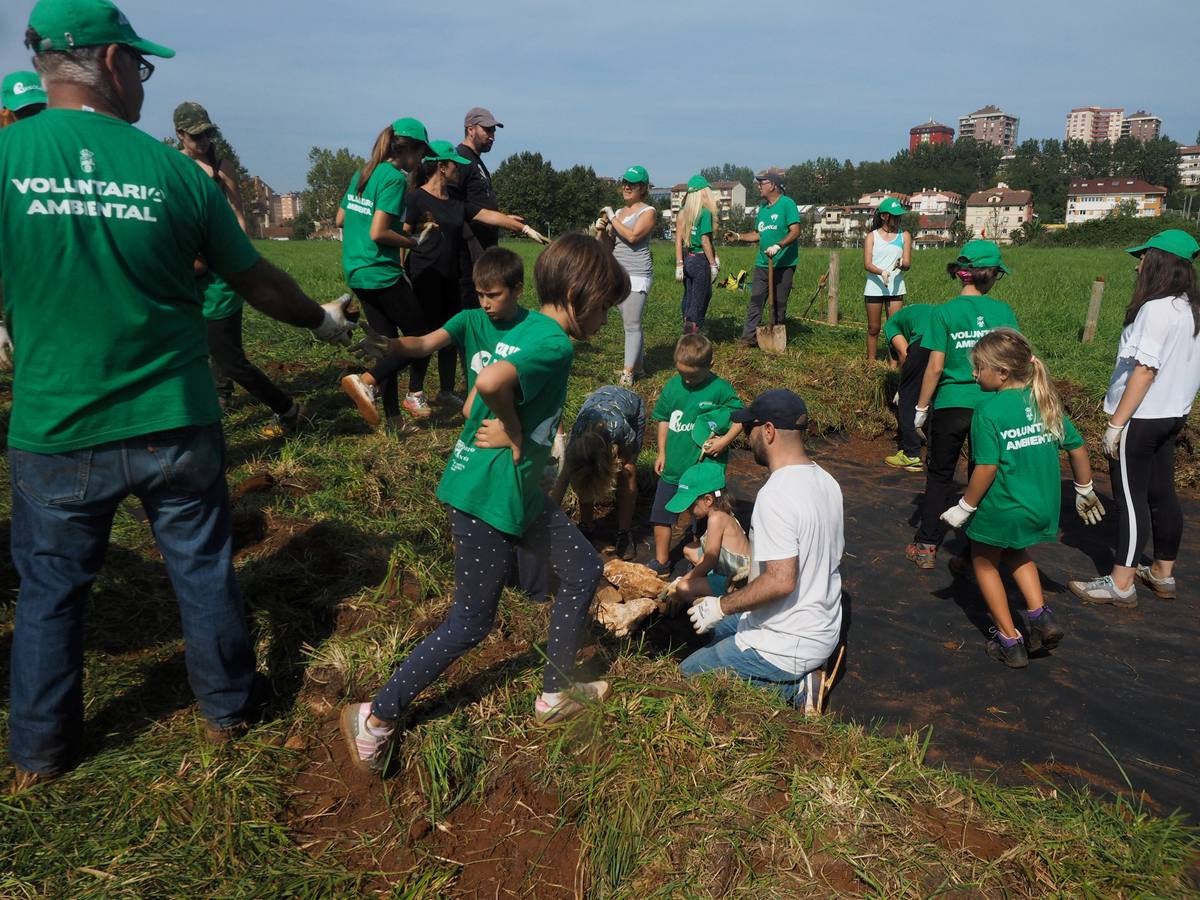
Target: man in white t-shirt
781, 628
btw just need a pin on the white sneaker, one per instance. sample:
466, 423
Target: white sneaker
363, 395
570, 702
1103, 590
416, 406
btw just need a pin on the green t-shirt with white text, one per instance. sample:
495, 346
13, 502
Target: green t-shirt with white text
1021, 507
679, 406
485, 483
700, 227
772, 223
366, 263
99, 226
954, 329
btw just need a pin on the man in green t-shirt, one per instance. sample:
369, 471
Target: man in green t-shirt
111, 390
778, 229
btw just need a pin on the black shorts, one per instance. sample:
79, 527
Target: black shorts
662, 496
898, 298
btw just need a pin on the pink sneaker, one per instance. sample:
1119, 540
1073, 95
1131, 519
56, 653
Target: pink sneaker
367, 751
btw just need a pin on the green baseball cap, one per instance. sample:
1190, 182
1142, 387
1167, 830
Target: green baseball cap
1174, 241
710, 424
66, 24
411, 128
192, 118
705, 477
980, 254
893, 206
636, 175
697, 183
443, 151
22, 89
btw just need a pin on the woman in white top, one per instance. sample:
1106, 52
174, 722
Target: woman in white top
1148, 400
887, 255
631, 227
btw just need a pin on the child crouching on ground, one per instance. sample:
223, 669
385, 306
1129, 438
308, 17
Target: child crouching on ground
692, 393
492, 487
604, 445
723, 550
903, 332
1012, 499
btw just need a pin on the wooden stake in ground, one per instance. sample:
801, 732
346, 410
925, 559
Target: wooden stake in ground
771, 337
1093, 313
834, 271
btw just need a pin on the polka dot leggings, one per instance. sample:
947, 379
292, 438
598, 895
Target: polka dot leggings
482, 561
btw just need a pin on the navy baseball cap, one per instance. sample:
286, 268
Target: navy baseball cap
782, 408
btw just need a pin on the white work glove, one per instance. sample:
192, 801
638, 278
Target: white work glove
896, 399
956, 516
920, 417
713, 271
1112, 440
608, 213
534, 235
335, 328
772, 250
705, 614
1088, 505
425, 231
6, 348
679, 271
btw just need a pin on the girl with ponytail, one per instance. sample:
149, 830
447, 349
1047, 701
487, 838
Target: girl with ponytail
1011, 501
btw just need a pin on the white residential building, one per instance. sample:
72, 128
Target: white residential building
936, 202
996, 213
1089, 199
1189, 166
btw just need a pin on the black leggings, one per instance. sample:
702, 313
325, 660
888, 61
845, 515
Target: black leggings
483, 559
230, 365
912, 373
1143, 481
439, 298
392, 311
948, 430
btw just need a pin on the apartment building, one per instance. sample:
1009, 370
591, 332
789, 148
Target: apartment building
936, 202
874, 198
286, 207
996, 213
930, 132
1142, 125
1189, 166
990, 125
1092, 124
1089, 199
728, 194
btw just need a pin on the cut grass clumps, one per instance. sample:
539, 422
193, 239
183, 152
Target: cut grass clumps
673, 788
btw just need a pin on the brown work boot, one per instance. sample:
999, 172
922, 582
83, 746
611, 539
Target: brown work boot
923, 556
23, 779
219, 736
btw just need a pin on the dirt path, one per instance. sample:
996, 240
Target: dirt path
1125, 680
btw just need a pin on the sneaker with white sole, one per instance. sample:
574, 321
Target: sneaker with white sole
571, 702
901, 460
1164, 588
416, 406
363, 395
367, 751
1104, 590
626, 380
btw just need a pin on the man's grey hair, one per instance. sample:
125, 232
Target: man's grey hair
81, 66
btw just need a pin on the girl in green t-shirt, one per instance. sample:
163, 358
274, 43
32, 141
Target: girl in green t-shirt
1011, 501
696, 262
512, 415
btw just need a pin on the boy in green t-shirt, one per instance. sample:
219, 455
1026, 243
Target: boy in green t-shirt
903, 333
684, 398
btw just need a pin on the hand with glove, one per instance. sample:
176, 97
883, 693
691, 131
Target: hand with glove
335, 328
6, 348
1088, 505
713, 271
371, 348
1112, 440
772, 250
956, 516
679, 271
533, 235
705, 614
920, 416
608, 213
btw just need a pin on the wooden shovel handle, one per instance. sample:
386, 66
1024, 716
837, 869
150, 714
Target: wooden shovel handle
771, 288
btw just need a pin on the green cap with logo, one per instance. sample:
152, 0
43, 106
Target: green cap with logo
981, 254
636, 175
21, 89
67, 24
1174, 241
192, 118
710, 424
893, 206
443, 151
705, 477
411, 128
697, 183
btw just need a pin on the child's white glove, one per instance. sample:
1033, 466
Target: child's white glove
1088, 505
956, 516
335, 328
1112, 440
920, 416
6, 348
705, 614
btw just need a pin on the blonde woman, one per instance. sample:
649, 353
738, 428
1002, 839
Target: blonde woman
631, 227
696, 263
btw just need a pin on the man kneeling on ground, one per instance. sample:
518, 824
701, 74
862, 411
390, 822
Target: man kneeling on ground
781, 628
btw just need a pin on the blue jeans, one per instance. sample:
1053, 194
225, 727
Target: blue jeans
62, 512
723, 654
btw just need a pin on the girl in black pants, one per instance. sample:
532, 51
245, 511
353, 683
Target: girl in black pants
1148, 401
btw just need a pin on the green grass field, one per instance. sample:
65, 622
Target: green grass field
696, 789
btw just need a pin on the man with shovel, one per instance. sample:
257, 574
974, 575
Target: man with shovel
778, 228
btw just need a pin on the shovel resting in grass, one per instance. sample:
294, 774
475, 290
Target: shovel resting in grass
772, 337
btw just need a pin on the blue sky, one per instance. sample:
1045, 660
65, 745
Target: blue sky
670, 85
